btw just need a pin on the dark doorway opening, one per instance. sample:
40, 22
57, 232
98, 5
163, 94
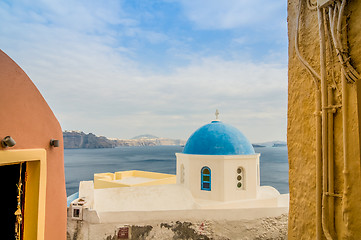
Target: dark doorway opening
9, 179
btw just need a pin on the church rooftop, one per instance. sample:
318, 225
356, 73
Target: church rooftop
218, 138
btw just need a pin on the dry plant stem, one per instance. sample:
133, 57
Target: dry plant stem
331, 53
324, 90
318, 166
331, 200
316, 76
332, 111
336, 18
350, 71
345, 204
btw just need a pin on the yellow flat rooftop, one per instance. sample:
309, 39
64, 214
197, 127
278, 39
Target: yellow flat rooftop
134, 180
131, 179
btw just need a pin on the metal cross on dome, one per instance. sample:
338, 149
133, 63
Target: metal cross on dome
217, 114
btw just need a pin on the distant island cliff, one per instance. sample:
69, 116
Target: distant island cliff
79, 139
270, 144
279, 145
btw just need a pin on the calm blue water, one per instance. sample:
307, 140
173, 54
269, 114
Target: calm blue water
81, 164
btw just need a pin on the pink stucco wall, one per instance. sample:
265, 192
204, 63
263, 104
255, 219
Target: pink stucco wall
25, 116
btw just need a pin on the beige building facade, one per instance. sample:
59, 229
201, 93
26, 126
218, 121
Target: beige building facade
227, 171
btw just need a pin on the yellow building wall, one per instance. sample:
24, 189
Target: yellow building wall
35, 192
106, 180
301, 132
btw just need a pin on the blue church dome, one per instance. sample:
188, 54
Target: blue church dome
217, 138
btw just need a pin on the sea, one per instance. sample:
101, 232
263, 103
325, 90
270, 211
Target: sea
81, 164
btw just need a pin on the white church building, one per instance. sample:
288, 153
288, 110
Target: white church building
218, 177
219, 163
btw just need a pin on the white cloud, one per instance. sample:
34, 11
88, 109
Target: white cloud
92, 83
124, 104
215, 14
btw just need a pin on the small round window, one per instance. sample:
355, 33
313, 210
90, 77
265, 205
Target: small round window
240, 178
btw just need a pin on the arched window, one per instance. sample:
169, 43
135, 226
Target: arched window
206, 179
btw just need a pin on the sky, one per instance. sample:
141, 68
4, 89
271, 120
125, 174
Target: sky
122, 68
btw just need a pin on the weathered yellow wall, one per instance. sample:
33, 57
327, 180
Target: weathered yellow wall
302, 126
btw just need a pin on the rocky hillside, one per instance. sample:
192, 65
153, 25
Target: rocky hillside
75, 139
149, 142
78, 139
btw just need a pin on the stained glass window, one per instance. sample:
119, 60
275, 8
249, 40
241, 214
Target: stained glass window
206, 179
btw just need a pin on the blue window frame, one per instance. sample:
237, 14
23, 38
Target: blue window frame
206, 179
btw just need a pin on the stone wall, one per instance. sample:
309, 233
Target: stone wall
301, 131
264, 228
